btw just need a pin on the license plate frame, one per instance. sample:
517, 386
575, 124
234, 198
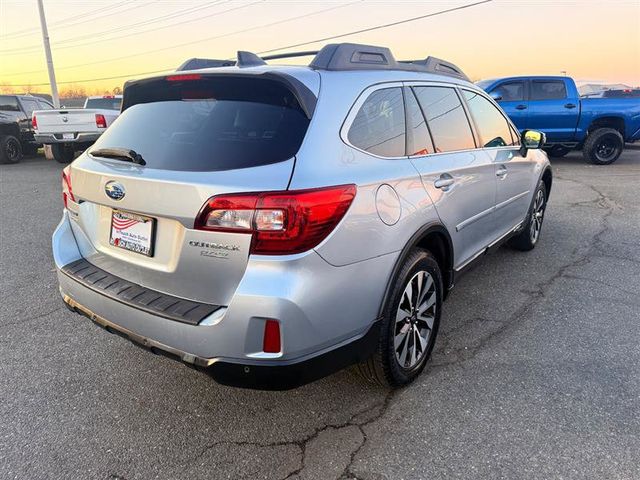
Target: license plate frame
134, 232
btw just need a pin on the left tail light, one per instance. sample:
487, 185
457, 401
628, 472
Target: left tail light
101, 122
67, 192
34, 123
281, 223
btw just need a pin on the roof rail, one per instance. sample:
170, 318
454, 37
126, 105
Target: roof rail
339, 57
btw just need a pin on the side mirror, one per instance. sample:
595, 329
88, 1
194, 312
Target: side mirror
531, 140
496, 96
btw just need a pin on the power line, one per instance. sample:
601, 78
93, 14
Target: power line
370, 29
354, 32
35, 48
28, 31
193, 42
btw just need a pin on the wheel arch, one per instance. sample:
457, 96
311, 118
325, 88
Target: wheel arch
615, 122
12, 129
547, 178
435, 238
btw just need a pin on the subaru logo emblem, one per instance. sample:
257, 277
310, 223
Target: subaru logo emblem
114, 190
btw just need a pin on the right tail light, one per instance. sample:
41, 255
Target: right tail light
281, 223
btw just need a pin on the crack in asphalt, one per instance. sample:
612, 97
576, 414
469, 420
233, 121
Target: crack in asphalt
302, 444
30, 319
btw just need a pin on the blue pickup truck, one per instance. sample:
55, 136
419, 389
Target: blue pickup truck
598, 126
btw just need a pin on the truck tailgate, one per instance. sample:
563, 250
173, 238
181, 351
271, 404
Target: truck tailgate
63, 121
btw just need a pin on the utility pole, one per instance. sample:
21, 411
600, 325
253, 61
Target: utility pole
47, 52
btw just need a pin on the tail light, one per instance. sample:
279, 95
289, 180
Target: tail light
101, 122
34, 122
67, 193
282, 223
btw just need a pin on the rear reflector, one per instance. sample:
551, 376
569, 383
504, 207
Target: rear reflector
271, 341
282, 223
101, 122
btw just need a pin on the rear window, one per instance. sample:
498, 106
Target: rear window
209, 123
107, 103
9, 103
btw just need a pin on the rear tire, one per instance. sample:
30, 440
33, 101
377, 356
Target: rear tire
528, 238
10, 149
409, 325
62, 152
603, 146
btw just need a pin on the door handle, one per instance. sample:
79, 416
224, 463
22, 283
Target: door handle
570, 105
444, 182
502, 172
521, 107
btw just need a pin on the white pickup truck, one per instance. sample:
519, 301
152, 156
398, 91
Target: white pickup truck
69, 130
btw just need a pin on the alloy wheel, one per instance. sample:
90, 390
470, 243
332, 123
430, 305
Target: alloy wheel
414, 320
536, 216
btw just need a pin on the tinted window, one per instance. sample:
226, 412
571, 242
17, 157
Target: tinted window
418, 138
107, 103
29, 106
492, 126
9, 103
379, 126
42, 105
209, 124
446, 118
548, 90
510, 92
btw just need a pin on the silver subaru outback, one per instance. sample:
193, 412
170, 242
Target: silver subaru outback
269, 225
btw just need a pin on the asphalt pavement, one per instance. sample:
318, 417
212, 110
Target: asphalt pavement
536, 372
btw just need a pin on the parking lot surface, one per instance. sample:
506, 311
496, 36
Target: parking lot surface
536, 372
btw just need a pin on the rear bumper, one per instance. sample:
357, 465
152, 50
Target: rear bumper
326, 316
79, 137
256, 375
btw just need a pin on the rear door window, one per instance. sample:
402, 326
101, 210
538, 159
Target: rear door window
208, 123
379, 125
548, 90
491, 124
446, 118
9, 103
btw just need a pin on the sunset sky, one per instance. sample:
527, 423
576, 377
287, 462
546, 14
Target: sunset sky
593, 41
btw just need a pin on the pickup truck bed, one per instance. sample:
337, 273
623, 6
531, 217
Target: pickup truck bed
70, 130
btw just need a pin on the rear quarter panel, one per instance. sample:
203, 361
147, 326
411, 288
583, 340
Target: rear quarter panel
625, 109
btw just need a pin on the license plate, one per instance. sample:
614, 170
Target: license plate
132, 232
68, 136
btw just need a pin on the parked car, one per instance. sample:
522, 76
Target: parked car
269, 232
70, 130
614, 93
598, 126
16, 132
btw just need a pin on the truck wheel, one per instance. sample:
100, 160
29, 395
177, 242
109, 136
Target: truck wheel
10, 149
62, 152
409, 325
603, 146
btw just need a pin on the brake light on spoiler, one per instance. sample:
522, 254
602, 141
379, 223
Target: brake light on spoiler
281, 223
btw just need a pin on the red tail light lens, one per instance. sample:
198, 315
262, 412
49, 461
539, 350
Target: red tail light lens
101, 122
271, 339
282, 223
183, 77
34, 122
67, 193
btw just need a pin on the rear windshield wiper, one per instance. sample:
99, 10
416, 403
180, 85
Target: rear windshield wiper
119, 154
